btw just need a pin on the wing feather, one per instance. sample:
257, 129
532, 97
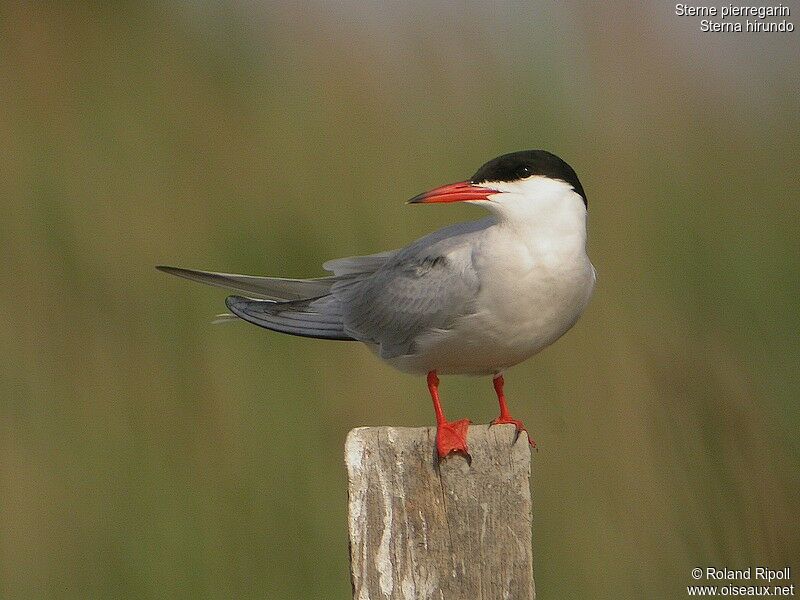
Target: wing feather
418, 290
316, 317
387, 299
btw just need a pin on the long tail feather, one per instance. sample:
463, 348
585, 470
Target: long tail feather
268, 288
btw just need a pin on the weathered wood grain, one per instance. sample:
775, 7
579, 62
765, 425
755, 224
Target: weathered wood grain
449, 530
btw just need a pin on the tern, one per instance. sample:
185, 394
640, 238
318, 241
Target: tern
473, 298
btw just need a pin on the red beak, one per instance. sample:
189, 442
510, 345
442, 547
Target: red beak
455, 192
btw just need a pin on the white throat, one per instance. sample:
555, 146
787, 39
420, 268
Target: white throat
539, 206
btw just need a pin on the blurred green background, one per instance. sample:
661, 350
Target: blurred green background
146, 453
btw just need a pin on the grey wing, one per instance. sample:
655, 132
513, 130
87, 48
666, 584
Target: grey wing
313, 317
413, 293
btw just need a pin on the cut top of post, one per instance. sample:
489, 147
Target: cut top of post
451, 529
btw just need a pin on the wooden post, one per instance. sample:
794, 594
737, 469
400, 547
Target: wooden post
451, 530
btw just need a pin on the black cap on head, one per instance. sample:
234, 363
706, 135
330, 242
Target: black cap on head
519, 165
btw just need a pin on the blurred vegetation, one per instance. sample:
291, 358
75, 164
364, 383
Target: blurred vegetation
146, 453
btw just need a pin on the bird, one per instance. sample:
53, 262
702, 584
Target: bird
473, 298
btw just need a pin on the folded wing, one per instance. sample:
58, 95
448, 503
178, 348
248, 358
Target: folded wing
316, 318
411, 294
386, 299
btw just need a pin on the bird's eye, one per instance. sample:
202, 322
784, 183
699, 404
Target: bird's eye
523, 171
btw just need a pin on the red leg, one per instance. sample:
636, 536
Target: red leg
450, 437
505, 416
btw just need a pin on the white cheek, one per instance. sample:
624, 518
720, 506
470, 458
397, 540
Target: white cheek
547, 205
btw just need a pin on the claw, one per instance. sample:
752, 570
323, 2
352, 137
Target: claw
518, 424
